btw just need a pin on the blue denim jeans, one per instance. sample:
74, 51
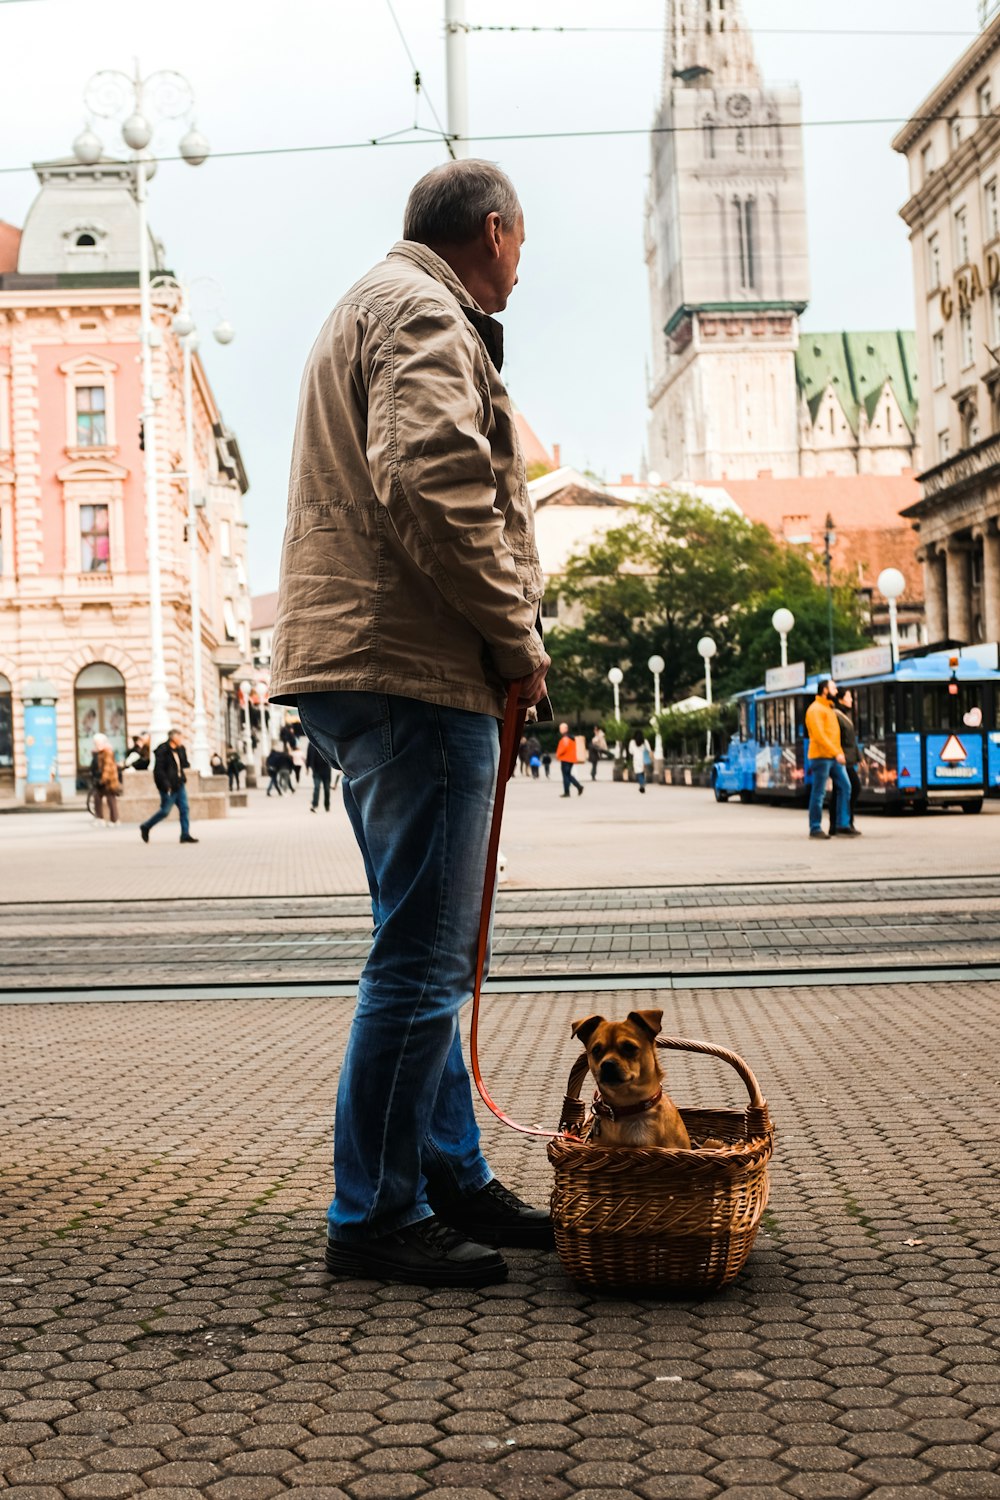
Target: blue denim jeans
418, 787
822, 771
168, 800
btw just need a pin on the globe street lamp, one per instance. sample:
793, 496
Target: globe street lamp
706, 649
656, 665
829, 542
166, 95
890, 584
615, 678
184, 327
783, 621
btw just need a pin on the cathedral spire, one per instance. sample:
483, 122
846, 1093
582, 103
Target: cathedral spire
708, 37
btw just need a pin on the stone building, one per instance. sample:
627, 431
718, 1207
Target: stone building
952, 147
74, 584
737, 388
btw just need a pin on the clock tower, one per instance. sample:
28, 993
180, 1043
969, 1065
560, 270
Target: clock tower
726, 253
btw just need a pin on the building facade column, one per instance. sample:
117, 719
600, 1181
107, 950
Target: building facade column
991, 579
959, 602
935, 593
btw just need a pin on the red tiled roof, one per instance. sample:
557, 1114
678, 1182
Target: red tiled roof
531, 445
865, 508
10, 244
263, 611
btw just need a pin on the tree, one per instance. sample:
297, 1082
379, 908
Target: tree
676, 570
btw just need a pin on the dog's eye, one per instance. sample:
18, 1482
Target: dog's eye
597, 1050
628, 1050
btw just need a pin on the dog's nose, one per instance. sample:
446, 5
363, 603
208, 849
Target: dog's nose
610, 1072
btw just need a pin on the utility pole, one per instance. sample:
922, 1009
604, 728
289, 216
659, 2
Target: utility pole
458, 83
829, 540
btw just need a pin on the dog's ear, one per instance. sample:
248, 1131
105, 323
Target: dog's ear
585, 1029
650, 1021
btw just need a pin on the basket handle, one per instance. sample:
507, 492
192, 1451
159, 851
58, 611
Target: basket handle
757, 1114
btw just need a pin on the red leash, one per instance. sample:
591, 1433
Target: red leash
510, 739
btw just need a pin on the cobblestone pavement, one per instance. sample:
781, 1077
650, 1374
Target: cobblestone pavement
165, 1322
608, 837
718, 930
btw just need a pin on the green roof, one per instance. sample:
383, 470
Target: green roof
857, 366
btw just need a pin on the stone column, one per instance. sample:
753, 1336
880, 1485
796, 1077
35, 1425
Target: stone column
991, 579
957, 572
935, 596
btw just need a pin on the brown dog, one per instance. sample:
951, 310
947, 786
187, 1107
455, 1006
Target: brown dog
630, 1107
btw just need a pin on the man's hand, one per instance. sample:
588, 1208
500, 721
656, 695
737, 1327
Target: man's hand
842, 760
533, 687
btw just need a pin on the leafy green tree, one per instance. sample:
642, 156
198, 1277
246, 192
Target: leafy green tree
678, 569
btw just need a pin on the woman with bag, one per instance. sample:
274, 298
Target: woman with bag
639, 751
107, 783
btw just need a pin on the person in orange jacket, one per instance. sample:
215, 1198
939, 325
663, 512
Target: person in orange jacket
826, 760
566, 756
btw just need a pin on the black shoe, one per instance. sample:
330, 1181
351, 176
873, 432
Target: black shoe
564, 794
817, 833
145, 833
187, 839
494, 1216
850, 832
579, 791
425, 1254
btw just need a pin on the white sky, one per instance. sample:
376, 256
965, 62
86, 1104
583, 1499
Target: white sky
285, 235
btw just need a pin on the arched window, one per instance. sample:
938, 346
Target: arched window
85, 240
99, 693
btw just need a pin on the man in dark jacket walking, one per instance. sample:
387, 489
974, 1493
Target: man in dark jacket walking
169, 765
321, 774
849, 744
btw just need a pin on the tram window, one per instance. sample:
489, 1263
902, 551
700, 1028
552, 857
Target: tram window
907, 709
944, 710
876, 697
889, 699
861, 698
744, 719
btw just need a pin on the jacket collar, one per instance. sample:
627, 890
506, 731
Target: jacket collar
488, 329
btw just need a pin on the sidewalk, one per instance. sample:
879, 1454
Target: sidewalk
166, 1322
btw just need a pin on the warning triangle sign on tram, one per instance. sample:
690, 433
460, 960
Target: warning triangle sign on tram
953, 750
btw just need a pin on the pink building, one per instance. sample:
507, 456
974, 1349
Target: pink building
74, 586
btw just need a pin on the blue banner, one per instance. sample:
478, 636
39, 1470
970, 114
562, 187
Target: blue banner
40, 741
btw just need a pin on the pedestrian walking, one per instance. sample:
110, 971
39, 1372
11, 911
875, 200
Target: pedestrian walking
409, 596
597, 750
566, 756
524, 756
638, 750
321, 775
234, 768
547, 764
106, 781
170, 763
826, 762
534, 755
296, 762
844, 709
278, 767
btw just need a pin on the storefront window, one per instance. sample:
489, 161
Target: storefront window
6, 729
100, 709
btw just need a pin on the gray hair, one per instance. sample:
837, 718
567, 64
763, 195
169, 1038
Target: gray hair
450, 204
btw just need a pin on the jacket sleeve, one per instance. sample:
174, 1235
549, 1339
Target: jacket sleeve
431, 469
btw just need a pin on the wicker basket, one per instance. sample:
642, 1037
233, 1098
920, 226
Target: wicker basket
648, 1217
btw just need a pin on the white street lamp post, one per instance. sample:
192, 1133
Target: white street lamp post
184, 327
656, 665
890, 584
170, 96
615, 678
706, 650
783, 620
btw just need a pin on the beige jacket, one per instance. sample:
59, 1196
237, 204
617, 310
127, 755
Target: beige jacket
409, 562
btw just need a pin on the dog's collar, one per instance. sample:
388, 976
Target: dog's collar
607, 1111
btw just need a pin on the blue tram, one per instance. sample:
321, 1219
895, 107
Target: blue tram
928, 735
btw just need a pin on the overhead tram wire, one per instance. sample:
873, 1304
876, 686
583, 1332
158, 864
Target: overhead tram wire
484, 138
756, 31
417, 82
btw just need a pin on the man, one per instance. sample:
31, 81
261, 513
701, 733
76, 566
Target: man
826, 761
320, 768
843, 708
169, 765
566, 756
409, 599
